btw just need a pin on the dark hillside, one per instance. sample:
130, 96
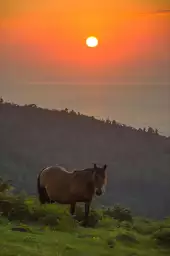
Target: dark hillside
138, 160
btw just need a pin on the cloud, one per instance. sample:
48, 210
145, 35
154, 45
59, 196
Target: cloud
157, 12
165, 11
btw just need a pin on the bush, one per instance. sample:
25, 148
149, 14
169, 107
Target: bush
67, 223
28, 209
162, 236
4, 186
126, 237
145, 227
93, 219
126, 225
108, 223
50, 220
37, 213
111, 242
165, 223
119, 213
49, 215
13, 207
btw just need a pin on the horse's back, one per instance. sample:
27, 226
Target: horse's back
56, 180
54, 174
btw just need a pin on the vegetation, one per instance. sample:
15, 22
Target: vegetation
119, 213
27, 228
138, 160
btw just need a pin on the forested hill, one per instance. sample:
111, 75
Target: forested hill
138, 160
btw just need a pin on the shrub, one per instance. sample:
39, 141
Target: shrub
28, 209
67, 223
119, 213
37, 213
13, 207
93, 219
126, 237
48, 215
145, 227
4, 186
18, 208
109, 223
50, 220
126, 225
111, 242
162, 237
165, 223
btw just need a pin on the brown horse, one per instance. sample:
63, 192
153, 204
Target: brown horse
56, 184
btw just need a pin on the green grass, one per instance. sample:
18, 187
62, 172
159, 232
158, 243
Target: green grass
50, 230
41, 241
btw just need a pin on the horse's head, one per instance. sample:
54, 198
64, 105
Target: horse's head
100, 179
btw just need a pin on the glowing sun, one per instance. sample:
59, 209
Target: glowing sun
91, 41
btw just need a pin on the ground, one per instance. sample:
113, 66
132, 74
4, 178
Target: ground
40, 241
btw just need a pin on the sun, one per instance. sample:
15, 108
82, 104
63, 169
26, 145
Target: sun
91, 41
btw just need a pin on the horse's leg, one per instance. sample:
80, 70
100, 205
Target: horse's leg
87, 209
72, 208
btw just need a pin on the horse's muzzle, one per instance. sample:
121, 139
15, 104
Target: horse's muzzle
98, 192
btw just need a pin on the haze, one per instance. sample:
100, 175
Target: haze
44, 58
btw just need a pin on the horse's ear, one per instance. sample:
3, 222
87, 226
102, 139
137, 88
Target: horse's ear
105, 166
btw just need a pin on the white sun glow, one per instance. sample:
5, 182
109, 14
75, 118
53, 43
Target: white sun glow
91, 41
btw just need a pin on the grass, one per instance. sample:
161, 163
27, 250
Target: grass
27, 228
42, 241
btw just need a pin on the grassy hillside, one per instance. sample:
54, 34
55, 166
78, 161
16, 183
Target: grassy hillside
80, 242
138, 160
26, 228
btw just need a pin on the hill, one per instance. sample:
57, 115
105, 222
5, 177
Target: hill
37, 241
138, 160
28, 228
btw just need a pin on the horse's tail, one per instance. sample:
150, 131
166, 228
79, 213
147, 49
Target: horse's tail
42, 193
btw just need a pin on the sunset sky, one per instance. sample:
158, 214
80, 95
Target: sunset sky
44, 58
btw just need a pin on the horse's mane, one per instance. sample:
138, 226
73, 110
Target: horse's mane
82, 174
85, 170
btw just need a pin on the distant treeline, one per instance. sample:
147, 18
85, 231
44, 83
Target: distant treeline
149, 129
138, 159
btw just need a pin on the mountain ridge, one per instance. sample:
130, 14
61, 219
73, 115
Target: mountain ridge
138, 159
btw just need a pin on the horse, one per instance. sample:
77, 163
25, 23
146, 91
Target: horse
57, 185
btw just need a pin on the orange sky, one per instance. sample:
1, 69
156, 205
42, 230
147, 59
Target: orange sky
50, 36
44, 59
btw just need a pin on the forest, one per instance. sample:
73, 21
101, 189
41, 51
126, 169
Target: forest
138, 160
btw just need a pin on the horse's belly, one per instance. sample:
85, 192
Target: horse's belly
59, 195
67, 198
81, 197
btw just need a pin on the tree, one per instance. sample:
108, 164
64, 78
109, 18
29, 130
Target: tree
150, 130
1, 100
4, 185
156, 131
